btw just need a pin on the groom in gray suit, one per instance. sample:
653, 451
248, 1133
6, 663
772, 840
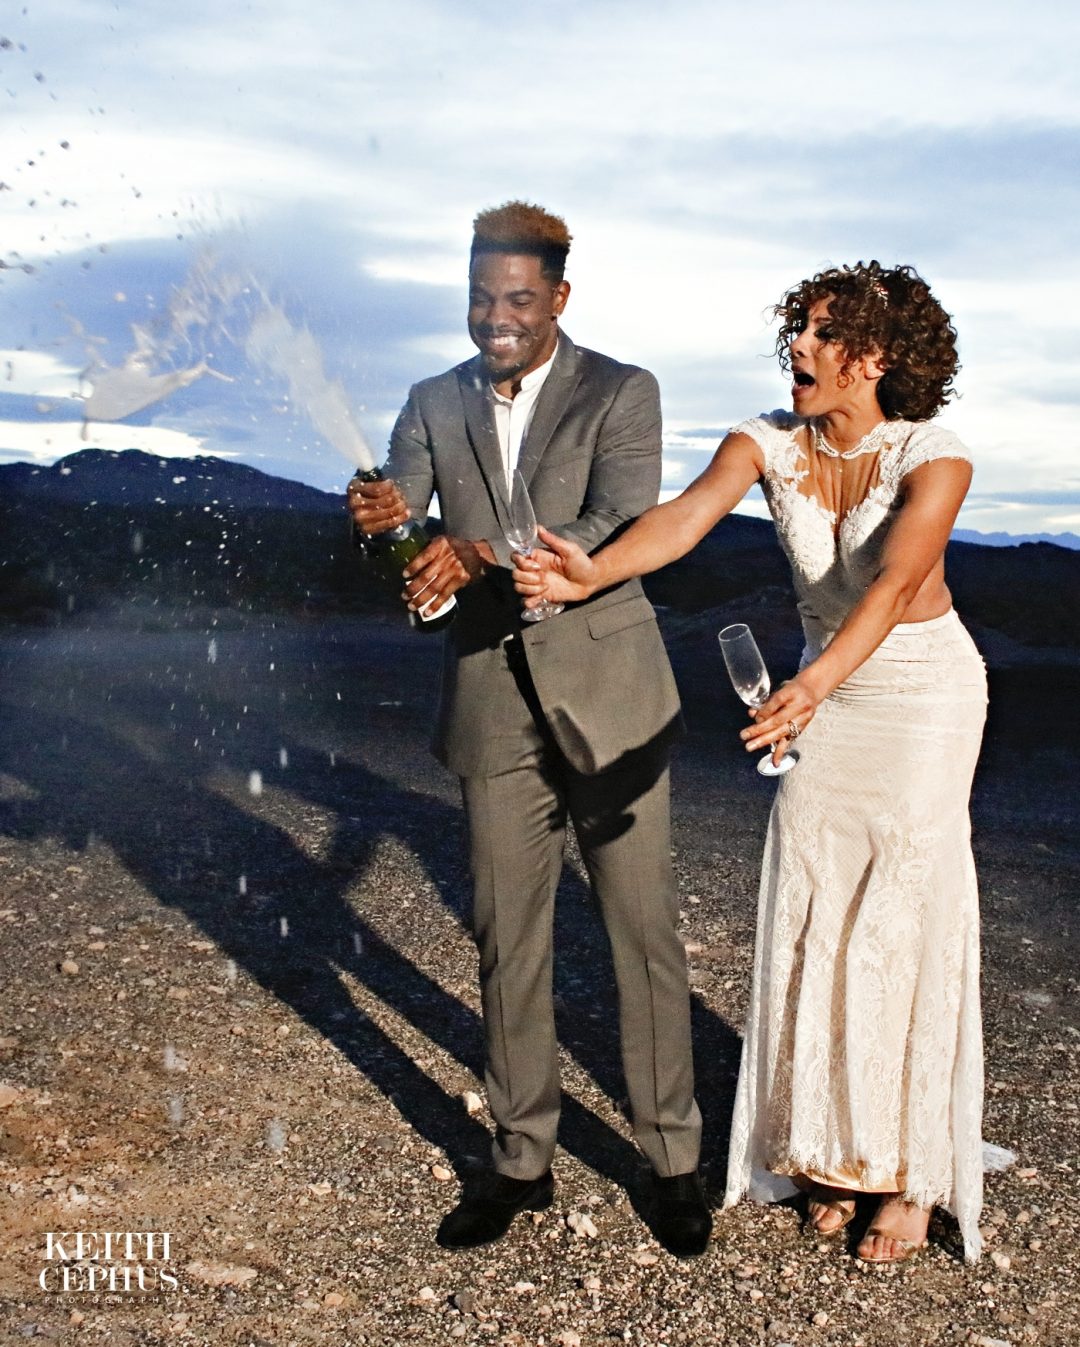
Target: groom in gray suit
566, 718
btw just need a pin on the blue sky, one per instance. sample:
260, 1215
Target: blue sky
705, 156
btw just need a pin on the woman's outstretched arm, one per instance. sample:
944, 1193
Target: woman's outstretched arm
567, 574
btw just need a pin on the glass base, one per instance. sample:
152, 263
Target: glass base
786, 763
541, 611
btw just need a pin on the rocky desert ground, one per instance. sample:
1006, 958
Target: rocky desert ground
238, 1008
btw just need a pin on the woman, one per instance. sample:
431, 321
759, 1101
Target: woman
862, 1060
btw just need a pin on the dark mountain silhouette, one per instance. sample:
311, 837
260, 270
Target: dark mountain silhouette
130, 477
100, 528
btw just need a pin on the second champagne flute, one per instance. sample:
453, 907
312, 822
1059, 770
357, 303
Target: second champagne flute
750, 679
519, 530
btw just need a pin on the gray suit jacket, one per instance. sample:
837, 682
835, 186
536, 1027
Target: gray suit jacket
592, 463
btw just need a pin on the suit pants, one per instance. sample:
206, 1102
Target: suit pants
517, 826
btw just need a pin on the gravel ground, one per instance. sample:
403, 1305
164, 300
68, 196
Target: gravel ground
237, 1005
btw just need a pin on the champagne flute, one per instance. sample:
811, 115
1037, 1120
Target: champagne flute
519, 530
750, 679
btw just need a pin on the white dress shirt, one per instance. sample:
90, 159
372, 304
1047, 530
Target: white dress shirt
513, 416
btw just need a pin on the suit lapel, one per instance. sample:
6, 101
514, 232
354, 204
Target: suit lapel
550, 406
480, 426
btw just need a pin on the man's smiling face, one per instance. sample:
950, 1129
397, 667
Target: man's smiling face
513, 315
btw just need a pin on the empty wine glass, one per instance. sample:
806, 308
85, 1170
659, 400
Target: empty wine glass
519, 530
750, 679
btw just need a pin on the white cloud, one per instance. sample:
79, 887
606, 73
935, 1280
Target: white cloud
45, 441
37, 374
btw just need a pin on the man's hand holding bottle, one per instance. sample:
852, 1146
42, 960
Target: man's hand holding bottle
435, 570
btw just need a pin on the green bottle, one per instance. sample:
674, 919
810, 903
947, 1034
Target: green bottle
393, 550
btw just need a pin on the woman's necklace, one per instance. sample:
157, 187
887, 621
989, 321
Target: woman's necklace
870, 443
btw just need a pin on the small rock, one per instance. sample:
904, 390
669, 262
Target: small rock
1028, 1173
323, 1189
426, 1293
465, 1301
96, 945
1034, 1245
591, 1283
569, 1338
757, 1294
1001, 1260
643, 1258
333, 1299
523, 1288
76, 1317
820, 1319
581, 1223
441, 1173
69, 968
8, 1095
473, 1103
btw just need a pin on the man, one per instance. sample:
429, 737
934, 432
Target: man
570, 717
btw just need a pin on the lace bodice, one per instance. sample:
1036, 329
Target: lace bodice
834, 556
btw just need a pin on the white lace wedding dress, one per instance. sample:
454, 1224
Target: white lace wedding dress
862, 1058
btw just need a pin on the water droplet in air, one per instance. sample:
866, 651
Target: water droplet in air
255, 783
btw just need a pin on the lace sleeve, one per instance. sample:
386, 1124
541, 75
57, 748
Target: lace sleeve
928, 442
771, 431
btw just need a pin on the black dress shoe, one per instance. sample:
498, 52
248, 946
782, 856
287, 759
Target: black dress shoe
681, 1219
488, 1206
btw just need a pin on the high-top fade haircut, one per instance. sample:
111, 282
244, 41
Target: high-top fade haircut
520, 227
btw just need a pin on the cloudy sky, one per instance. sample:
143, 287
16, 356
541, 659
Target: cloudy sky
170, 170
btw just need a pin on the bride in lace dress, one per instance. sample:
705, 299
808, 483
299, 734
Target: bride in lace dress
862, 1059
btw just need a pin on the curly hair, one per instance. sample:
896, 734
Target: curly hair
521, 227
891, 313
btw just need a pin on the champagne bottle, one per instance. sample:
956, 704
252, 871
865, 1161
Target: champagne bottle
393, 550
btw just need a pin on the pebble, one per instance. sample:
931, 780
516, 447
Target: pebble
1034, 1245
69, 968
581, 1223
333, 1299
426, 1293
820, 1319
473, 1103
441, 1173
591, 1283
523, 1288
465, 1301
8, 1095
643, 1258
569, 1338
1001, 1260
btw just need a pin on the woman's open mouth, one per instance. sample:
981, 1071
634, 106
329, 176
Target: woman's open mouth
802, 379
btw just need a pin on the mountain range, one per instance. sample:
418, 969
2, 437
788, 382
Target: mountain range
101, 527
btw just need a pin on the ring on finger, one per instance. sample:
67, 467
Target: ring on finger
793, 730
